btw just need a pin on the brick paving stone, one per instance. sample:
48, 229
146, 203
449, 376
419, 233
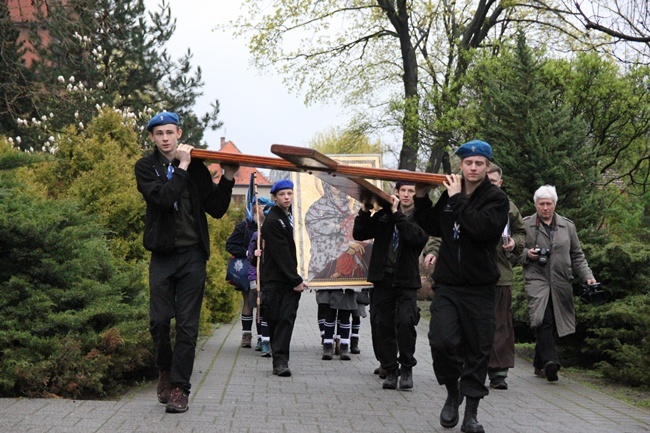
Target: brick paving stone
234, 391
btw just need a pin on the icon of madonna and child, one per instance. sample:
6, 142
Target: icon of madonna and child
335, 257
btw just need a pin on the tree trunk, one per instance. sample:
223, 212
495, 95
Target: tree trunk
410, 121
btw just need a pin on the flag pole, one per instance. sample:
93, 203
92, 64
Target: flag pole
259, 259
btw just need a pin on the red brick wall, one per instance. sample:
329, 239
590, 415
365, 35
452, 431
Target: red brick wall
21, 12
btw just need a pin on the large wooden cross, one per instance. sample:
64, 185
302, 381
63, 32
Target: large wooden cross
350, 179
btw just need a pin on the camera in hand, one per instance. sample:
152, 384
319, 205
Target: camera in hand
543, 253
592, 294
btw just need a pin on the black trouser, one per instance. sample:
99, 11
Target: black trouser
461, 335
393, 316
177, 283
281, 303
545, 350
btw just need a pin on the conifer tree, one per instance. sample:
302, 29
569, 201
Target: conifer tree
110, 52
14, 75
536, 139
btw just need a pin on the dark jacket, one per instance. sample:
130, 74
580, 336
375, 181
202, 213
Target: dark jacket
161, 193
469, 259
411, 241
279, 260
237, 242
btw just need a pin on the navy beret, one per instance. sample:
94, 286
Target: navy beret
280, 185
400, 184
163, 118
475, 148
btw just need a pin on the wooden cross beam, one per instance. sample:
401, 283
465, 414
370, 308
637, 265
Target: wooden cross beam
352, 180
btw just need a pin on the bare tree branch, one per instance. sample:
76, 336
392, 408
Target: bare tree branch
592, 25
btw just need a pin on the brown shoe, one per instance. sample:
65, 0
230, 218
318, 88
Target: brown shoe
164, 386
539, 373
177, 401
246, 339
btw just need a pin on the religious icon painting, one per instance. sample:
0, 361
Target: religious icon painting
327, 254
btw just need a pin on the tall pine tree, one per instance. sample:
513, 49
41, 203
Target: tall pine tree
536, 139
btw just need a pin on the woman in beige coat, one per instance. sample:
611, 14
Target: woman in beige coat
551, 259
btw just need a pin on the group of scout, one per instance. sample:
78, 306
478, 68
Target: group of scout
468, 220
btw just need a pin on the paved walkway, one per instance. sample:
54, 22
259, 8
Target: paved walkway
234, 391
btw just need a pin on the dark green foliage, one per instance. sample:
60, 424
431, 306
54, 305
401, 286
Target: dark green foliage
15, 99
74, 318
519, 308
614, 339
536, 138
623, 266
107, 52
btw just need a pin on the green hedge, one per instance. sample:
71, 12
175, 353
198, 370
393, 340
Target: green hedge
75, 320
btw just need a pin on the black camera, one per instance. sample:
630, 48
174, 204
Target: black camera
592, 294
543, 253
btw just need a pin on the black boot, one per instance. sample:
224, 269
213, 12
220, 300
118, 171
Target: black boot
328, 352
345, 354
354, 345
391, 379
470, 423
449, 413
406, 378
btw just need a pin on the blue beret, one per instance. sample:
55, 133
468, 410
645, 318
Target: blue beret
264, 201
280, 185
400, 184
163, 118
475, 148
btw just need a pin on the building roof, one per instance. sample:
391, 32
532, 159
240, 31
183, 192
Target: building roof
243, 176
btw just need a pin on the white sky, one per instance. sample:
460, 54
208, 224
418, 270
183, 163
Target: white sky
257, 110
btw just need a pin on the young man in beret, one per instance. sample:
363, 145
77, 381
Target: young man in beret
179, 192
281, 284
395, 275
469, 218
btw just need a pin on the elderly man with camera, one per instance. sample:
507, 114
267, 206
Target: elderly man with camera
551, 258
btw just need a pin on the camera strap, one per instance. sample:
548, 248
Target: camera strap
549, 229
